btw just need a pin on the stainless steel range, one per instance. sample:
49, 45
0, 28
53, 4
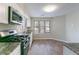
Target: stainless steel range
25, 42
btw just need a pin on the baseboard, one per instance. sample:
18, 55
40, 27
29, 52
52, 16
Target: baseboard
42, 38
55, 39
50, 39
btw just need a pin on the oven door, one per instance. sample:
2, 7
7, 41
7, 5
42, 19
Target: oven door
25, 46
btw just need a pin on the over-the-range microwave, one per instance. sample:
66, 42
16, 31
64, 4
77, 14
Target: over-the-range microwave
14, 16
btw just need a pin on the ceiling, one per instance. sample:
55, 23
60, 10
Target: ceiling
35, 9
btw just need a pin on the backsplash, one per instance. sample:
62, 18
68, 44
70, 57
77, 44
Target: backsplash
6, 26
19, 28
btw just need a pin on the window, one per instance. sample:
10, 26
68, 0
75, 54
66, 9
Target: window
36, 27
41, 26
47, 26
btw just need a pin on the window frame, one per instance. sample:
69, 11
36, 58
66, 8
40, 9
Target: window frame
42, 26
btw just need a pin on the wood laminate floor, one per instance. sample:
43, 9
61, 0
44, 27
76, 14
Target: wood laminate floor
46, 47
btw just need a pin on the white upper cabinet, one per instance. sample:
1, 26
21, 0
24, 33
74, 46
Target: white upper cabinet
4, 11
28, 22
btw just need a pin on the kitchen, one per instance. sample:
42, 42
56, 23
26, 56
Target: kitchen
9, 28
19, 29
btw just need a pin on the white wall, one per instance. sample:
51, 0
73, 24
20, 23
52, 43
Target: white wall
72, 26
57, 29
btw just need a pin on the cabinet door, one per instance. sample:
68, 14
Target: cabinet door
28, 22
4, 13
31, 39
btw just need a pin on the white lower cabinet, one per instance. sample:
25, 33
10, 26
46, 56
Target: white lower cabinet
31, 39
16, 51
67, 51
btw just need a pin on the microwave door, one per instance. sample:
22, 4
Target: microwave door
14, 16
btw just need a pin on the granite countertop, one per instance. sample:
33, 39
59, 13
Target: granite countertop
10, 42
73, 46
13, 38
7, 47
9, 38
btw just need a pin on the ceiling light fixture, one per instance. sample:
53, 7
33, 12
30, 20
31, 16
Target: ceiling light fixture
49, 8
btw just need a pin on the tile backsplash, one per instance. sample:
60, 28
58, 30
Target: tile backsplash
19, 28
